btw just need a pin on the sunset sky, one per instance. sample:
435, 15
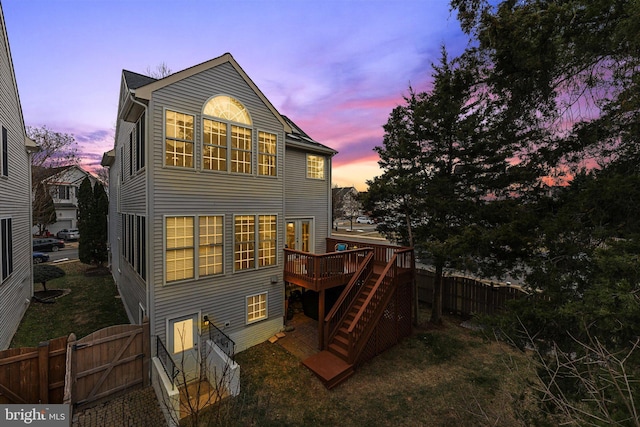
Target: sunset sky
336, 68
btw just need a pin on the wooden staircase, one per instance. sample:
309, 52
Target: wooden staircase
335, 364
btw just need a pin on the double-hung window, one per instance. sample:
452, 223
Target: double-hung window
6, 248
227, 136
315, 167
179, 248
256, 307
255, 247
178, 139
210, 245
267, 153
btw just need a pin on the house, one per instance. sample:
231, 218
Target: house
16, 284
215, 197
62, 183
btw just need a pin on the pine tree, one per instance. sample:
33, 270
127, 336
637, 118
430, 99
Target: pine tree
99, 223
85, 226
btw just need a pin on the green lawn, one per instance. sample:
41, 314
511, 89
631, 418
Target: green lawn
92, 304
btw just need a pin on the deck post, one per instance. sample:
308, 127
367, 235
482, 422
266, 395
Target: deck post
321, 315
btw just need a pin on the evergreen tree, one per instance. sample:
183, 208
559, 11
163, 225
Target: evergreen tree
448, 182
99, 222
85, 220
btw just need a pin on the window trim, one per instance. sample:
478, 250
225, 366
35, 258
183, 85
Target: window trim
164, 139
222, 245
259, 153
229, 124
256, 241
266, 307
164, 250
6, 248
4, 152
324, 167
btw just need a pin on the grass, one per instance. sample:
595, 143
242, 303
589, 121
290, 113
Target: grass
92, 304
445, 376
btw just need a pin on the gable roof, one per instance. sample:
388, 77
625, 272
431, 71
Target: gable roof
42, 173
144, 92
136, 80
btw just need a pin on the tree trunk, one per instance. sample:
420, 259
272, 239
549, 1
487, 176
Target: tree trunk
436, 308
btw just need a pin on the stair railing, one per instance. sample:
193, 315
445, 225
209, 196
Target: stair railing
341, 307
365, 321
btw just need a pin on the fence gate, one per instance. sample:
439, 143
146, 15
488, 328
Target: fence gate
108, 361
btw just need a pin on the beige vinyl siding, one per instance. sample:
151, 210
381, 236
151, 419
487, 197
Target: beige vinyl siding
15, 202
308, 197
193, 192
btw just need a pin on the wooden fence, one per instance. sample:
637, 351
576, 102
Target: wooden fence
466, 296
79, 372
33, 374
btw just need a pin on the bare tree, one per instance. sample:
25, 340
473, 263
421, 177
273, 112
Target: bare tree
103, 176
57, 150
161, 71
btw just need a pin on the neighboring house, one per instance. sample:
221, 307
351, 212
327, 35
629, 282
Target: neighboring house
16, 284
63, 183
346, 202
208, 183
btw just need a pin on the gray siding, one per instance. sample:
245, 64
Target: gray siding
163, 191
15, 201
307, 197
178, 191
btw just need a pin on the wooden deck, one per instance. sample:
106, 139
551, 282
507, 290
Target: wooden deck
378, 280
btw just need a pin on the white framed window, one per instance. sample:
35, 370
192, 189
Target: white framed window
255, 247
214, 145
179, 248
179, 139
63, 192
315, 167
267, 234
244, 242
256, 307
227, 137
211, 249
240, 149
267, 153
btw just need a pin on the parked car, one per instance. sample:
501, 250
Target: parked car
72, 234
47, 244
39, 257
364, 220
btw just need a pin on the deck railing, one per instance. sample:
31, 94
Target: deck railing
322, 271
167, 361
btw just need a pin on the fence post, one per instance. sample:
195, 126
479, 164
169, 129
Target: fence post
70, 374
43, 369
146, 348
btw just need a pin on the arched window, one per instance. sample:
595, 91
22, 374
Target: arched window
227, 108
226, 146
